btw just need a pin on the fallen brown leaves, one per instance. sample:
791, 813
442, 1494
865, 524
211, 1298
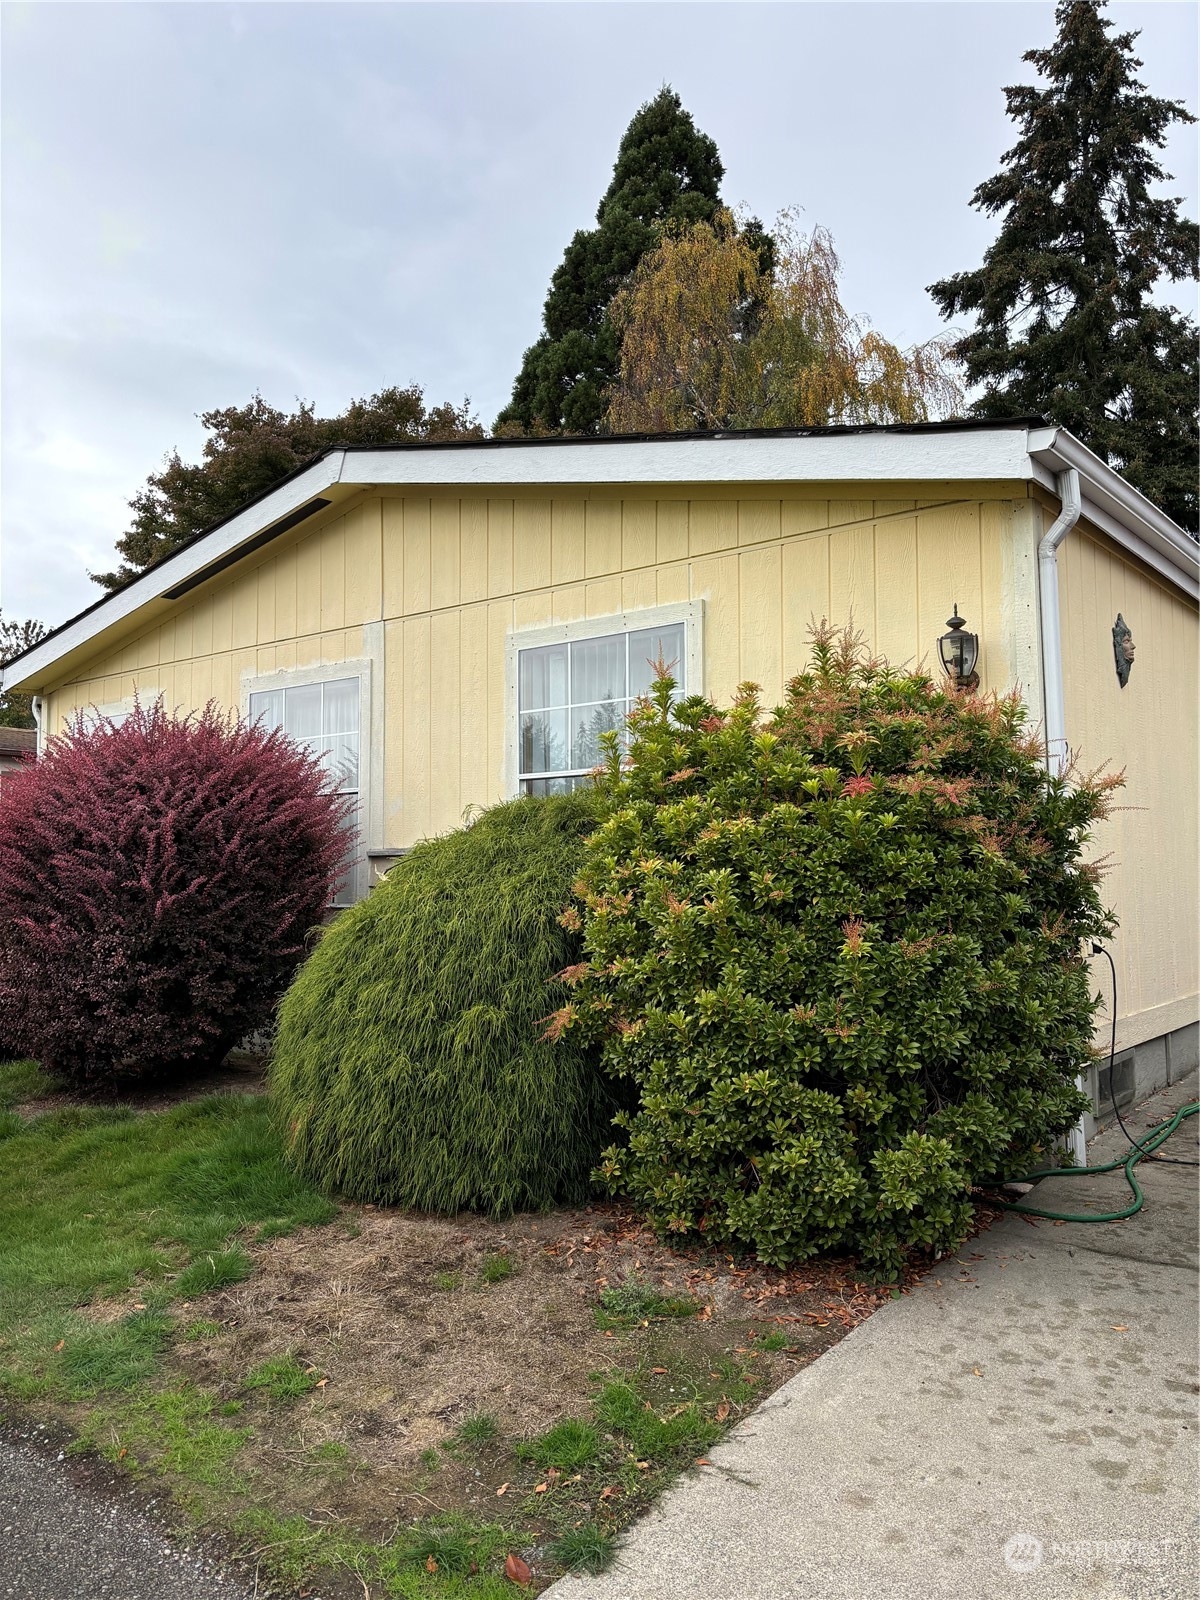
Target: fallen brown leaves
516, 1571
620, 1243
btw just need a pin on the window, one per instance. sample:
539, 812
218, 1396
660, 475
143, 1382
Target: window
571, 691
324, 716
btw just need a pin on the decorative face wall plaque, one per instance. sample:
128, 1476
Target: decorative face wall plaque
1123, 649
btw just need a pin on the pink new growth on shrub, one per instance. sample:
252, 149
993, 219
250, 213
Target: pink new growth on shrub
158, 879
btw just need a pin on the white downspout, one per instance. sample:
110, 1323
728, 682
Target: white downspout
1052, 674
38, 706
1057, 750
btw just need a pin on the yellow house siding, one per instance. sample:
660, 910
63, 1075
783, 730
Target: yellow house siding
1148, 729
429, 587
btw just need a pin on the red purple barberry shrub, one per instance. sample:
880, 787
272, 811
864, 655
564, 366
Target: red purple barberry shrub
158, 878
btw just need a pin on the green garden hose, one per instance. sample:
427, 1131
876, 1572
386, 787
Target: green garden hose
1144, 1146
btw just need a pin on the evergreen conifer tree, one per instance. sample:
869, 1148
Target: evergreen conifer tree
666, 170
1065, 323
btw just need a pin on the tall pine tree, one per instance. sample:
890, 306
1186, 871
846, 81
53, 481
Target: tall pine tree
666, 171
1065, 323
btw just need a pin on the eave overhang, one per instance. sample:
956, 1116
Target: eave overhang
949, 454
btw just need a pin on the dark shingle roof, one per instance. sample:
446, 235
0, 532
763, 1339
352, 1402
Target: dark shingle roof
18, 741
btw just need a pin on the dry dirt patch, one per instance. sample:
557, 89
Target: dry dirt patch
405, 1361
394, 1317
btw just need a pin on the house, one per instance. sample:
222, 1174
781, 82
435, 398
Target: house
16, 746
452, 623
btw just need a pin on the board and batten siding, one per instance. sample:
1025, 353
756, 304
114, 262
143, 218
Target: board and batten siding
430, 587
1148, 729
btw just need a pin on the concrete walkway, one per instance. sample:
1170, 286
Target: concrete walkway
1022, 1427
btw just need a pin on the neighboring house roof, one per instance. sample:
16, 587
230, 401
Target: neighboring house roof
1023, 449
18, 742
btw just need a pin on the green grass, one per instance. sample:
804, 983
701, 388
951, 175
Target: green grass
776, 1339
194, 1445
482, 1428
330, 1454
410, 1065
94, 1201
21, 1081
625, 1305
213, 1271
447, 1282
173, 1430
568, 1446
645, 1428
467, 1559
584, 1549
685, 1429
288, 1550
281, 1377
497, 1266
202, 1328
113, 1355
97, 1203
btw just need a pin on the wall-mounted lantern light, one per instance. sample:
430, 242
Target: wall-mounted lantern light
959, 651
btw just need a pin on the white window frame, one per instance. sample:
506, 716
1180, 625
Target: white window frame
369, 768
689, 612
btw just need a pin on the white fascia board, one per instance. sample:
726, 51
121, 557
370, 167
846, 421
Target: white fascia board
32, 670
883, 457
969, 455
1168, 563
1118, 509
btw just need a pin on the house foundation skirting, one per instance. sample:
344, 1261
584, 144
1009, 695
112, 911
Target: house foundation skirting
1140, 1069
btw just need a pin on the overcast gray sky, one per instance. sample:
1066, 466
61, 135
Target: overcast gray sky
319, 200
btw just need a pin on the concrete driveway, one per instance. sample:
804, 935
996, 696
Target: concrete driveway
1022, 1427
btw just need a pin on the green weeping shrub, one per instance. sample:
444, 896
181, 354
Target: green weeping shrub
409, 1065
836, 952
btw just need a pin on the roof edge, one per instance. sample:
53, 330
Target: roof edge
972, 449
225, 539
1113, 505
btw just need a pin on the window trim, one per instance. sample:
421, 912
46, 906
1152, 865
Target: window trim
331, 672
689, 612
